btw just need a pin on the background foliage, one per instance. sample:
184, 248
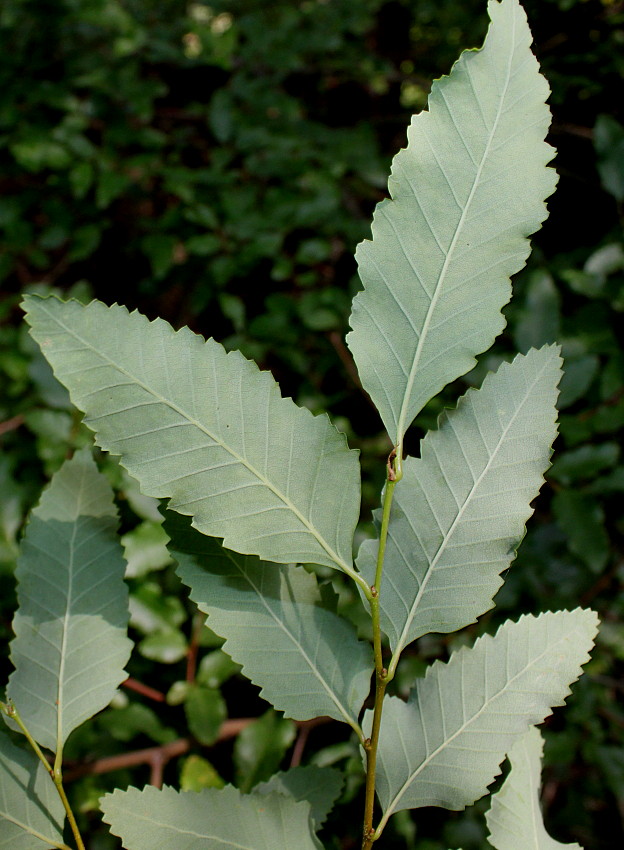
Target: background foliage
216, 165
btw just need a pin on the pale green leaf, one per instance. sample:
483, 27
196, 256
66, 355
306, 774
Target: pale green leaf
515, 819
31, 812
459, 512
320, 786
212, 819
445, 745
274, 626
70, 644
206, 429
466, 193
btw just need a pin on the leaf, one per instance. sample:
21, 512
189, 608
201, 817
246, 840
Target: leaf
582, 519
466, 193
445, 745
260, 748
514, 819
320, 786
212, 819
205, 712
275, 627
459, 512
31, 811
208, 430
70, 644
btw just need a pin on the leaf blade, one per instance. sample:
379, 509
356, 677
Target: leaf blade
459, 512
31, 812
180, 411
72, 602
432, 301
490, 693
212, 819
295, 663
514, 819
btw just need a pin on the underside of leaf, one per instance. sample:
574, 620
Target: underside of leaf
207, 430
465, 194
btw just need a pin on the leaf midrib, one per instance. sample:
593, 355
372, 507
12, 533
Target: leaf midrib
402, 424
192, 421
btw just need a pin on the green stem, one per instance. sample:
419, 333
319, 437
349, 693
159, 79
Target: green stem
381, 674
54, 772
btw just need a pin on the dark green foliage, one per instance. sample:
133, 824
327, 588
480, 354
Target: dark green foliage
217, 166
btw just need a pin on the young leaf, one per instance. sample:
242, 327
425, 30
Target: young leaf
515, 820
70, 644
260, 747
275, 627
445, 745
466, 193
212, 819
208, 430
320, 786
31, 812
459, 512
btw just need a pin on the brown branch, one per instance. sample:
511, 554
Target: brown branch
305, 727
11, 424
144, 690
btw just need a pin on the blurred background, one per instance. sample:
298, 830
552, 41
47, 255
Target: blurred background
216, 164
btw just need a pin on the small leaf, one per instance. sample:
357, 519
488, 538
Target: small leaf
167, 646
260, 748
275, 627
205, 712
198, 773
208, 430
514, 819
31, 812
445, 745
212, 819
582, 519
320, 786
459, 512
70, 643
466, 193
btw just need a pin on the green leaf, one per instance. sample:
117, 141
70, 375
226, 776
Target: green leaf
459, 512
582, 520
70, 643
205, 712
445, 745
320, 786
514, 819
260, 748
275, 627
31, 812
212, 819
466, 192
208, 430
198, 773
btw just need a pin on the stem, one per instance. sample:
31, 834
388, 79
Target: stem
381, 674
54, 772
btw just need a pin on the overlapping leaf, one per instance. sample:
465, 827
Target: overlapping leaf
460, 510
445, 745
31, 812
466, 193
515, 819
206, 429
70, 644
307, 660
320, 786
212, 819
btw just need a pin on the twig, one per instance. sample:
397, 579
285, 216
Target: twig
145, 690
11, 424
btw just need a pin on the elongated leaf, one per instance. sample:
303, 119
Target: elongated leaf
515, 820
320, 786
207, 430
445, 745
460, 511
212, 819
31, 812
70, 644
466, 193
307, 660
